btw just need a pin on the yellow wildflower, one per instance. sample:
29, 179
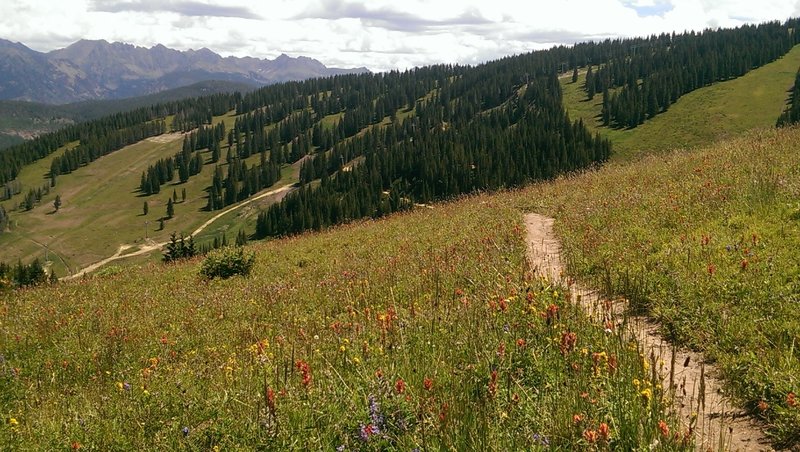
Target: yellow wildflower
647, 394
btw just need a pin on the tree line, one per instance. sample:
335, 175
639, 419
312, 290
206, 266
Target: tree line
462, 138
791, 115
23, 275
641, 78
108, 132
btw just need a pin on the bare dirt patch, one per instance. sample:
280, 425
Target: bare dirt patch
166, 137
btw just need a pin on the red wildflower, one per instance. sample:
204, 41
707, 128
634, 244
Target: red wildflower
576, 419
271, 401
763, 406
568, 341
503, 304
400, 386
443, 412
521, 342
602, 430
590, 436
664, 428
305, 371
501, 350
712, 269
744, 264
791, 399
551, 314
493, 383
427, 383
612, 363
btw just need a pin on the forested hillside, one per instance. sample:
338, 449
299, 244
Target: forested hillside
370, 144
642, 78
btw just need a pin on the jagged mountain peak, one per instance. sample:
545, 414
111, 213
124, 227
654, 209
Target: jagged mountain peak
98, 69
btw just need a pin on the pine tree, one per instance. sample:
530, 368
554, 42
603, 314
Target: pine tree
241, 238
57, 202
170, 208
3, 219
145, 208
183, 194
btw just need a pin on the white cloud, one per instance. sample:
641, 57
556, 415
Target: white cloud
379, 34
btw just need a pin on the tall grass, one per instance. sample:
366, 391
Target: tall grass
707, 243
425, 330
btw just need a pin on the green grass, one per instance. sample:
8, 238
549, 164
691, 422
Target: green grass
702, 117
706, 243
432, 314
102, 208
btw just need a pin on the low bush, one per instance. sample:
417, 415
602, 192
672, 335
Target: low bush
227, 262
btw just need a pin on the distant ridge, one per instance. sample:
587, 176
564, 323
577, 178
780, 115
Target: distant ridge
21, 120
95, 70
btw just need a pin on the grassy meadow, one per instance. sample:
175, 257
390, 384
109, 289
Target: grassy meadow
103, 209
707, 244
700, 118
423, 330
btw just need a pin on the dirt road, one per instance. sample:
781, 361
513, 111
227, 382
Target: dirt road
152, 246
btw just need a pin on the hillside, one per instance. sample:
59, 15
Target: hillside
704, 242
426, 328
317, 132
21, 120
359, 146
721, 110
439, 300
395, 286
94, 70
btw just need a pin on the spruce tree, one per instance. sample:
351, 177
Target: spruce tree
170, 208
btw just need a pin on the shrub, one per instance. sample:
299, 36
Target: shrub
227, 262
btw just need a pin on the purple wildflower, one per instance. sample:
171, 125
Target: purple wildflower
541, 439
375, 415
364, 431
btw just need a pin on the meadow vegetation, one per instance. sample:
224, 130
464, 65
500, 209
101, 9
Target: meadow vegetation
706, 243
422, 330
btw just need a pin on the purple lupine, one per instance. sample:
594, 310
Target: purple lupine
375, 415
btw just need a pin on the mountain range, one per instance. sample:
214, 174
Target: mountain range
93, 70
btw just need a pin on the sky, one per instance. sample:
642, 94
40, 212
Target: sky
378, 34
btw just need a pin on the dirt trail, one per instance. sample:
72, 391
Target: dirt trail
697, 391
151, 245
